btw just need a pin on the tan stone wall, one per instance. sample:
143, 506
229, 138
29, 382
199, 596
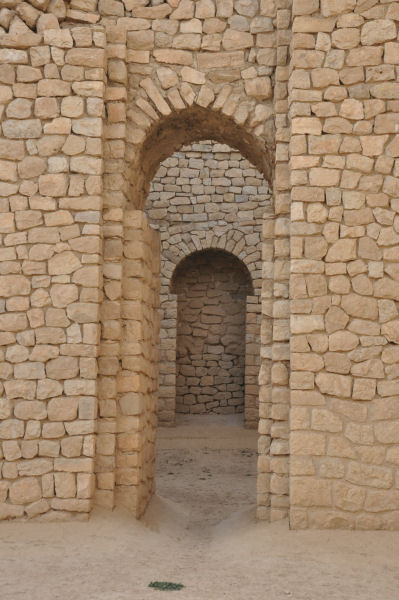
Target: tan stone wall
317, 115
51, 166
344, 281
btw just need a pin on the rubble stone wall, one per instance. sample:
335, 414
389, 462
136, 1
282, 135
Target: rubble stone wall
344, 264
52, 87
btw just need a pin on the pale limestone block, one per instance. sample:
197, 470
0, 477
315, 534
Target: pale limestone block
74, 465
391, 53
174, 57
364, 56
192, 76
167, 77
155, 96
352, 109
64, 263
346, 38
71, 447
236, 40
336, 7
11, 450
25, 490
378, 31
310, 492
85, 485
23, 129
386, 288
260, 87
30, 410
63, 367
62, 409
342, 251
37, 508
46, 388
348, 497
14, 285
74, 144
90, 126
342, 341
72, 106
334, 385
65, 485
86, 57
371, 475
83, 312
184, 10
53, 184
35, 466
63, 294
364, 389
29, 370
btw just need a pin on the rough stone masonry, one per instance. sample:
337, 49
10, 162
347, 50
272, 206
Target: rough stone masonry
94, 96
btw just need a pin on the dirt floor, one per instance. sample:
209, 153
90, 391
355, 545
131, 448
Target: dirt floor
200, 531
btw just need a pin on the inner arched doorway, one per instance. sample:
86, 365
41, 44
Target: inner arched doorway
212, 288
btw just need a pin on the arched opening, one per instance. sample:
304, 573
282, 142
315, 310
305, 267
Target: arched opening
204, 197
211, 287
192, 124
208, 201
214, 197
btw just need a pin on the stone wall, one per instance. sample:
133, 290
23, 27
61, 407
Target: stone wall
51, 163
344, 282
93, 97
207, 195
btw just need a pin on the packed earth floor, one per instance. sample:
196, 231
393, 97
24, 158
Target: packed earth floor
200, 531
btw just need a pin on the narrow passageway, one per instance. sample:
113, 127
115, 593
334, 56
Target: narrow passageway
206, 466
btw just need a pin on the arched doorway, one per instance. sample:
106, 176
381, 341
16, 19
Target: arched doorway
211, 287
208, 196
207, 201
128, 391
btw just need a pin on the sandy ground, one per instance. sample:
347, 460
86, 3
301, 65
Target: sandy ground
199, 531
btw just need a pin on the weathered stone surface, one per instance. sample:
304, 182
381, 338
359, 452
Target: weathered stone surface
334, 385
63, 263
378, 31
25, 490
22, 129
342, 250
63, 367
14, 285
62, 409
30, 410
310, 492
316, 95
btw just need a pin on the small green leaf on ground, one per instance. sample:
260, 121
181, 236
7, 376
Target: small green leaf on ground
165, 585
